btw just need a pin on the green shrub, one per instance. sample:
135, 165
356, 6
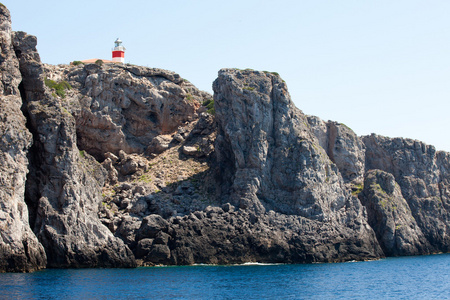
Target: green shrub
77, 62
50, 83
99, 62
274, 73
346, 126
209, 104
59, 87
64, 85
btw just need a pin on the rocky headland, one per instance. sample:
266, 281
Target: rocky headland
123, 166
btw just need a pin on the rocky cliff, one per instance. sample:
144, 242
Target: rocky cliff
121, 107
120, 166
422, 174
19, 247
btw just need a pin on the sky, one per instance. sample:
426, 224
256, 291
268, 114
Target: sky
377, 66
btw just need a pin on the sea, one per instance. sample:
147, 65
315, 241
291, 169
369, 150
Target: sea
419, 277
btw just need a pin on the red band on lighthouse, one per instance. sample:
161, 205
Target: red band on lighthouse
118, 54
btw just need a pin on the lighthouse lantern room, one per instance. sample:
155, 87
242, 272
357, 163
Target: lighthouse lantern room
118, 53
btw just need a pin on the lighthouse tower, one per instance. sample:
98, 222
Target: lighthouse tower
118, 53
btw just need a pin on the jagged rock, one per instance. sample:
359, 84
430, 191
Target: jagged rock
151, 225
20, 250
129, 164
242, 236
191, 150
125, 107
200, 141
423, 175
268, 158
159, 144
143, 247
112, 172
158, 254
390, 216
64, 184
127, 229
343, 147
162, 238
139, 206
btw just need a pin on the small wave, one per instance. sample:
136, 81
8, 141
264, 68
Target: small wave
258, 264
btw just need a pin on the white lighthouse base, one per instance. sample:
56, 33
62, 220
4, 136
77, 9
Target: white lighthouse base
118, 60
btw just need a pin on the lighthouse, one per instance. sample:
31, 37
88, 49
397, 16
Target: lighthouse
118, 53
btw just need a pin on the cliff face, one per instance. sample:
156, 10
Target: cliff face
390, 216
121, 107
423, 175
343, 147
269, 159
19, 248
267, 153
120, 165
59, 198
63, 187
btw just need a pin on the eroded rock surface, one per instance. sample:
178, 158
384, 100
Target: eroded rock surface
20, 250
390, 216
343, 147
122, 107
268, 158
63, 188
423, 175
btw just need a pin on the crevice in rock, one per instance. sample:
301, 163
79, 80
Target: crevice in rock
332, 133
18, 53
32, 193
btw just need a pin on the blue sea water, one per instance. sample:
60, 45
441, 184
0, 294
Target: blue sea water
421, 277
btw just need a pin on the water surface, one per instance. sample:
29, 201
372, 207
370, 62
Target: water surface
420, 277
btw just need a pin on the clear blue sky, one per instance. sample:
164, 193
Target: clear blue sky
378, 66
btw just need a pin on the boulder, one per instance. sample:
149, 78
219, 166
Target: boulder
159, 144
151, 226
191, 150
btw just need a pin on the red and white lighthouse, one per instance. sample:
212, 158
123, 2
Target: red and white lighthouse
118, 53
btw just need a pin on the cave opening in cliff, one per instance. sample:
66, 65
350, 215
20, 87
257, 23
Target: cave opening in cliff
31, 186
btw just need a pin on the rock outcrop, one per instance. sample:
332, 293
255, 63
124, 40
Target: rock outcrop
268, 159
423, 175
342, 146
20, 250
121, 107
63, 187
390, 216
